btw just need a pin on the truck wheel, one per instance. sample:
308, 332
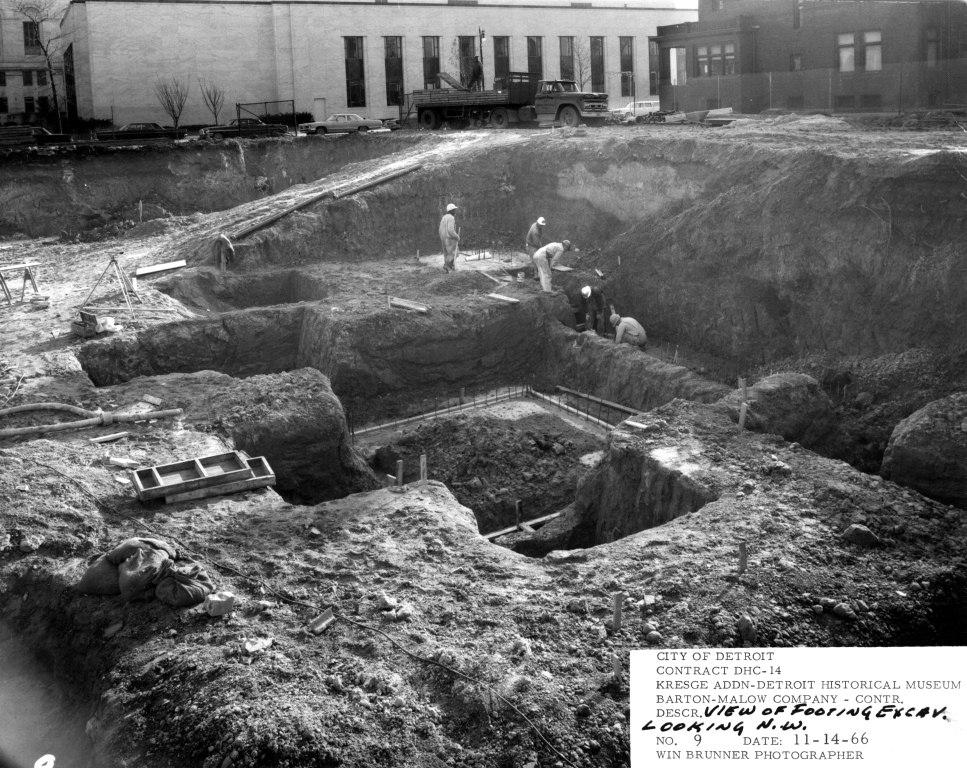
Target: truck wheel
320, 131
429, 119
569, 116
362, 129
499, 118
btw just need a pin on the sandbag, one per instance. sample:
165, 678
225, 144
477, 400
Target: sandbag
100, 578
141, 571
184, 584
125, 549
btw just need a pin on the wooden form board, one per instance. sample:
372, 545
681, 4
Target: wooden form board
188, 475
501, 297
407, 304
160, 268
262, 476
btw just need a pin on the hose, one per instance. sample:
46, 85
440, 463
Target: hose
91, 419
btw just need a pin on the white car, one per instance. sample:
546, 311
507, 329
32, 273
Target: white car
633, 110
343, 123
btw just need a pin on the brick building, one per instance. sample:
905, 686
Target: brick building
831, 55
346, 55
27, 85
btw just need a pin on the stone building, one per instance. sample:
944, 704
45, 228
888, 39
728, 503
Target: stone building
29, 88
829, 55
347, 55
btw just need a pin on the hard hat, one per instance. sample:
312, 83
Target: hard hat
540, 220
615, 319
586, 291
567, 245
451, 207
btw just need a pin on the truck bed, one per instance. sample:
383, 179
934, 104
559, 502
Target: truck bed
442, 97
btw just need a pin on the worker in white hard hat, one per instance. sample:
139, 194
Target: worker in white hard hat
629, 331
535, 237
449, 237
555, 251
593, 304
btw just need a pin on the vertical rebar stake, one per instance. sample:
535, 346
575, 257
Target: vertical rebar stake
743, 557
618, 599
399, 473
518, 508
422, 469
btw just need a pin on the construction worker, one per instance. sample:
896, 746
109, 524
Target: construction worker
223, 252
629, 331
476, 75
593, 304
535, 236
449, 237
555, 251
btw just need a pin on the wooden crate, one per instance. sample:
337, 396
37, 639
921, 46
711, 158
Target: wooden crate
188, 475
262, 476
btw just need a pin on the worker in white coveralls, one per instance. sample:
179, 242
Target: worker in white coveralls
554, 251
449, 237
629, 331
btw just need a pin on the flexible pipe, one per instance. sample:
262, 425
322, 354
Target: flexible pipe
94, 419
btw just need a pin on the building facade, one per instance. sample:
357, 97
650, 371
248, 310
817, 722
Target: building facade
829, 55
29, 88
358, 56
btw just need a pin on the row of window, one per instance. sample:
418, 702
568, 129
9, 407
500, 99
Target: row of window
578, 60
30, 77
32, 105
31, 32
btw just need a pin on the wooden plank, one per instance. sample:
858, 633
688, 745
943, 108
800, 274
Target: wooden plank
530, 523
501, 297
160, 268
108, 438
221, 489
406, 304
562, 268
599, 273
636, 424
27, 265
200, 468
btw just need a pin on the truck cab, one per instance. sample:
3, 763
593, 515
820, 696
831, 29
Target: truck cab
564, 102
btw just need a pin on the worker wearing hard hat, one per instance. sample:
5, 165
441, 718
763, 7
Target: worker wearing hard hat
593, 304
554, 251
629, 331
535, 237
449, 237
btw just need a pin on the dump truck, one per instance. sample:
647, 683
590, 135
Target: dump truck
524, 99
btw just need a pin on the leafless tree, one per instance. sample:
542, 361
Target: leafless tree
45, 16
582, 63
213, 95
172, 93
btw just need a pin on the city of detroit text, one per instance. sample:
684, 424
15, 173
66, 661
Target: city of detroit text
707, 669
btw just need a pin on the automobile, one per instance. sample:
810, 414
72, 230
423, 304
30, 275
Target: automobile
31, 134
242, 127
142, 131
393, 123
346, 122
635, 111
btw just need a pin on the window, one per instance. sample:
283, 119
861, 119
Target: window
795, 62
873, 51
626, 47
846, 52
932, 47
535, 56
28, 77
3, 105
729, 58
704, 67
393, 55
467, 46
653, 66
597, 64
32, 38
715, 54
567, 58
28, 105
41, 77
676, 65
431, 61
43, 104
501, 59
797, 13
871, 101
355, 72
844, 102
3, 79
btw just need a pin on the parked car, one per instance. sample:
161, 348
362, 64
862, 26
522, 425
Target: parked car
341, 123
142, 131
635, 111
246, 126
31, 134
393, 123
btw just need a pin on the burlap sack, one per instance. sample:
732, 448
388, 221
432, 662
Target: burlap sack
100, 578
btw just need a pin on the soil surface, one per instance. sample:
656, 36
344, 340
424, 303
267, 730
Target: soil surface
448, 650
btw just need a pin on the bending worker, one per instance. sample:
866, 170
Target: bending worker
449, 238
535, 238
629, 331
593, 303
555, 251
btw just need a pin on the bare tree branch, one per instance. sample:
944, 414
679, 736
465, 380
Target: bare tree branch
45, 15
172, 93
213, 95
